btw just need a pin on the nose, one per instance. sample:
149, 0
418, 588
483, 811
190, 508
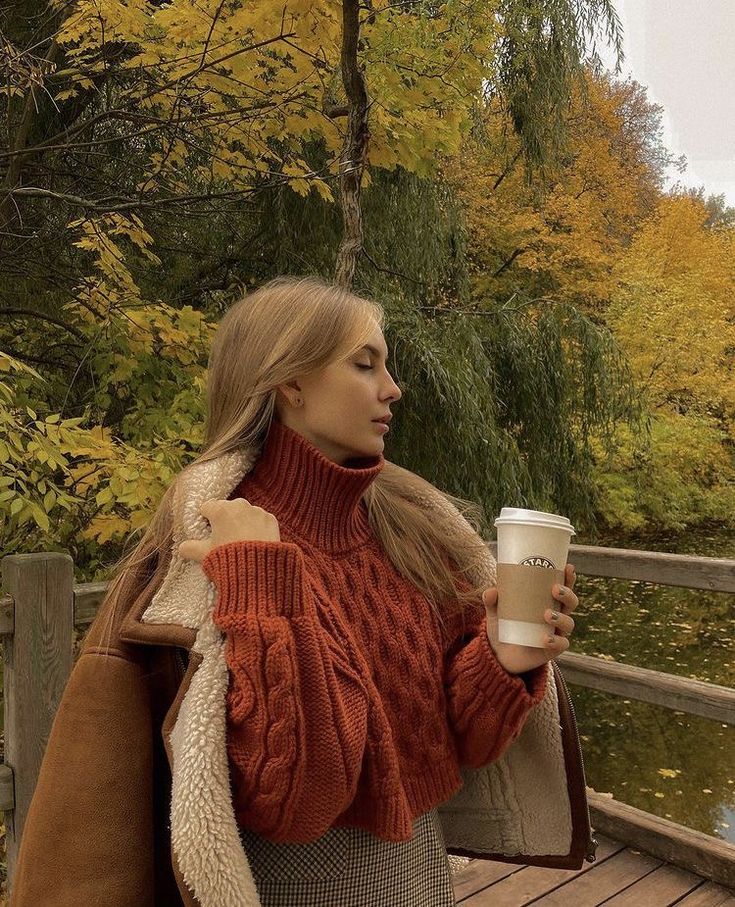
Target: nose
396, 394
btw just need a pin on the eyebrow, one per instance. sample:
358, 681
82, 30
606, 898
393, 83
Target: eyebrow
374, 351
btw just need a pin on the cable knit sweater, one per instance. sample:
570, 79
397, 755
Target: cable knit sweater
348, 705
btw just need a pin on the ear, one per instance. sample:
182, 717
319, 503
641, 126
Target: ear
288, 393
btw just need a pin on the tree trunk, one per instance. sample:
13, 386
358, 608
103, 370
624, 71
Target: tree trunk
354, 153
16, 143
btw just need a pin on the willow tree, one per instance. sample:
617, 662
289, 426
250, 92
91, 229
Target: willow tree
156, 153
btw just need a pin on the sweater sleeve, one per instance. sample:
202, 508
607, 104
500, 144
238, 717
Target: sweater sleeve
297, 709
487, 706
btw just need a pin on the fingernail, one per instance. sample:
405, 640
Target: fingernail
555, 615
550, 639
562, 590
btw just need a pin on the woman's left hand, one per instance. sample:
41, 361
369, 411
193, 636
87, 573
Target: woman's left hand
517, 659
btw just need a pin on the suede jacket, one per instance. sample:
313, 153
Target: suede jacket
133, 805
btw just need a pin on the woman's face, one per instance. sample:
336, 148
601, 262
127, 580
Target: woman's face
341, 403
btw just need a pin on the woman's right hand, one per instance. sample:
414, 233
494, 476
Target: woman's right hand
231, 521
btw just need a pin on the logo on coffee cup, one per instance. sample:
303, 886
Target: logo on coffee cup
537, 560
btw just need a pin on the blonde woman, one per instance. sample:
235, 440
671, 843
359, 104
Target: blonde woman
294, 694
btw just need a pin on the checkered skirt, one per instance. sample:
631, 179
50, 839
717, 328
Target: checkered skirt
349, 867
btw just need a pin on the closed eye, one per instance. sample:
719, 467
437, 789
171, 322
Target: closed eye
364, 366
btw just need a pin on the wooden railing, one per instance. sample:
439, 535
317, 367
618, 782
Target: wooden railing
41, 607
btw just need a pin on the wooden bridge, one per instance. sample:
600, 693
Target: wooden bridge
622, 876
641, 859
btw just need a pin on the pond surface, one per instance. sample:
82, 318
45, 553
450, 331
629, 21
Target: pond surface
666, 762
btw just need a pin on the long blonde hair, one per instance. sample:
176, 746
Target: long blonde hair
287, 328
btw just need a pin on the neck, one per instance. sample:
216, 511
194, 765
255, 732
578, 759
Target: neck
313, 497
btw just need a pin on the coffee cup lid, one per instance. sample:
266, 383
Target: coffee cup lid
533, 517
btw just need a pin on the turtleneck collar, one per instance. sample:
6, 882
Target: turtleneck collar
312, 496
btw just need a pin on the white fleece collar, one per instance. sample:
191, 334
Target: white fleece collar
204, 833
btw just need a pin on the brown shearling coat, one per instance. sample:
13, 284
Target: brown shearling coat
131, 808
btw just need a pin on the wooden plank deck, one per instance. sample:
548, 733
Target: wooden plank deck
620, 877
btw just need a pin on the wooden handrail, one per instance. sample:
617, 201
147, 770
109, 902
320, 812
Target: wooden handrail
715, 574
87, 599
692, 850
683, 570
696, 697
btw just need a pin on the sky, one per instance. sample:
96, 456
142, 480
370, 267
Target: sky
683, 51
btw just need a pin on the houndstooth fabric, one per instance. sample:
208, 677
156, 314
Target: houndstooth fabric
349, 867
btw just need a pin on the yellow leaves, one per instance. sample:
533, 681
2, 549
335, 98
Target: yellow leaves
323, 189
56, 474
10, 364
423, 70
66, 94
382, 155
565, 231
104, 496
123, 370
304, 179
96, 236
669, 772
40, 517
105, 526
673, 309
670, 480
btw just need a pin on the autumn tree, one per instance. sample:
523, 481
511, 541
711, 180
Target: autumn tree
673, 314
161, 157
559, 237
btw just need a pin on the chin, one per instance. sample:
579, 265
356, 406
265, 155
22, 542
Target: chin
366, 452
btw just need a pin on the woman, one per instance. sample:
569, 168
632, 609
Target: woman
344, 712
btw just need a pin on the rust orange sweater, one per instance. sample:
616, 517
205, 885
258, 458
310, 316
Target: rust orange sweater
347, 704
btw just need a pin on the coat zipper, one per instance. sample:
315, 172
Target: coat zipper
592, 842
183, 658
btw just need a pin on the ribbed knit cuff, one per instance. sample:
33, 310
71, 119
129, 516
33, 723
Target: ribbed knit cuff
483, 679
260, 578
536, 682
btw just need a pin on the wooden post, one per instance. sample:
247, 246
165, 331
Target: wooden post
38, 662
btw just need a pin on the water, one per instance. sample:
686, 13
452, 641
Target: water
674, 765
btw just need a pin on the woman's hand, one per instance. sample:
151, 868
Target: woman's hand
517, 659
231, 521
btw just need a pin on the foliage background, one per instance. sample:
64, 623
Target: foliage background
565, 321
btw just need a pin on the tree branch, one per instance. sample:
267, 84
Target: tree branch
509, 262
508, 169
19, 142
34, 191
421, 283
43, 317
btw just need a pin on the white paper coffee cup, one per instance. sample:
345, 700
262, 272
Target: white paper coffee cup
530, 538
